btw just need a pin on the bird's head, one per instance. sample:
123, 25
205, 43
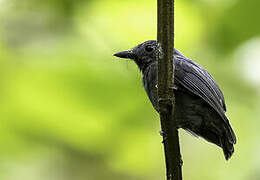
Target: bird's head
143, 54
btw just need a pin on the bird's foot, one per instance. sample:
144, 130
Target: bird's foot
163, 135
181, 162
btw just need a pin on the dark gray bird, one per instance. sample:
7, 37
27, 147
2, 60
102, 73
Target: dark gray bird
200, 105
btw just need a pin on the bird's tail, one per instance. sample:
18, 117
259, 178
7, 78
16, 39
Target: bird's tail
220, 134
228, 139
227, 147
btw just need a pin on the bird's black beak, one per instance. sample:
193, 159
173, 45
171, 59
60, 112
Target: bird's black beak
125, 54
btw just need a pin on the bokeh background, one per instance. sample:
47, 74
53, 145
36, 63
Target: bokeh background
70, 110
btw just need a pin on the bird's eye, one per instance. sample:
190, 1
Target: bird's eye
149, 48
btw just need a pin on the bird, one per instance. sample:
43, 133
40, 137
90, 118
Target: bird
199, 103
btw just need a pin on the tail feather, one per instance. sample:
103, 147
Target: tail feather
227, 147
231, 134
221, 135
224, 134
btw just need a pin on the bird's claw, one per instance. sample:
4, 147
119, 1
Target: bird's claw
163, 135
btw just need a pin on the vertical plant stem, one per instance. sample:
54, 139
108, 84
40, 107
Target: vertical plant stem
165, 36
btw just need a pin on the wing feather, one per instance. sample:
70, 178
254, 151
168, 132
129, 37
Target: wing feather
199, 82
195, 78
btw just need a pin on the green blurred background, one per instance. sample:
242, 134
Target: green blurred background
70, 110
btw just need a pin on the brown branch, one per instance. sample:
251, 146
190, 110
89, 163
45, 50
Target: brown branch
166, 99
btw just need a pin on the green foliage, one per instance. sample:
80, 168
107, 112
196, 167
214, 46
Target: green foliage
70, 110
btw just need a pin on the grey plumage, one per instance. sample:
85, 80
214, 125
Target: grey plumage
200, 105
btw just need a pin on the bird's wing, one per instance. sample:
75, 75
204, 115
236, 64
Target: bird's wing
199, 82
